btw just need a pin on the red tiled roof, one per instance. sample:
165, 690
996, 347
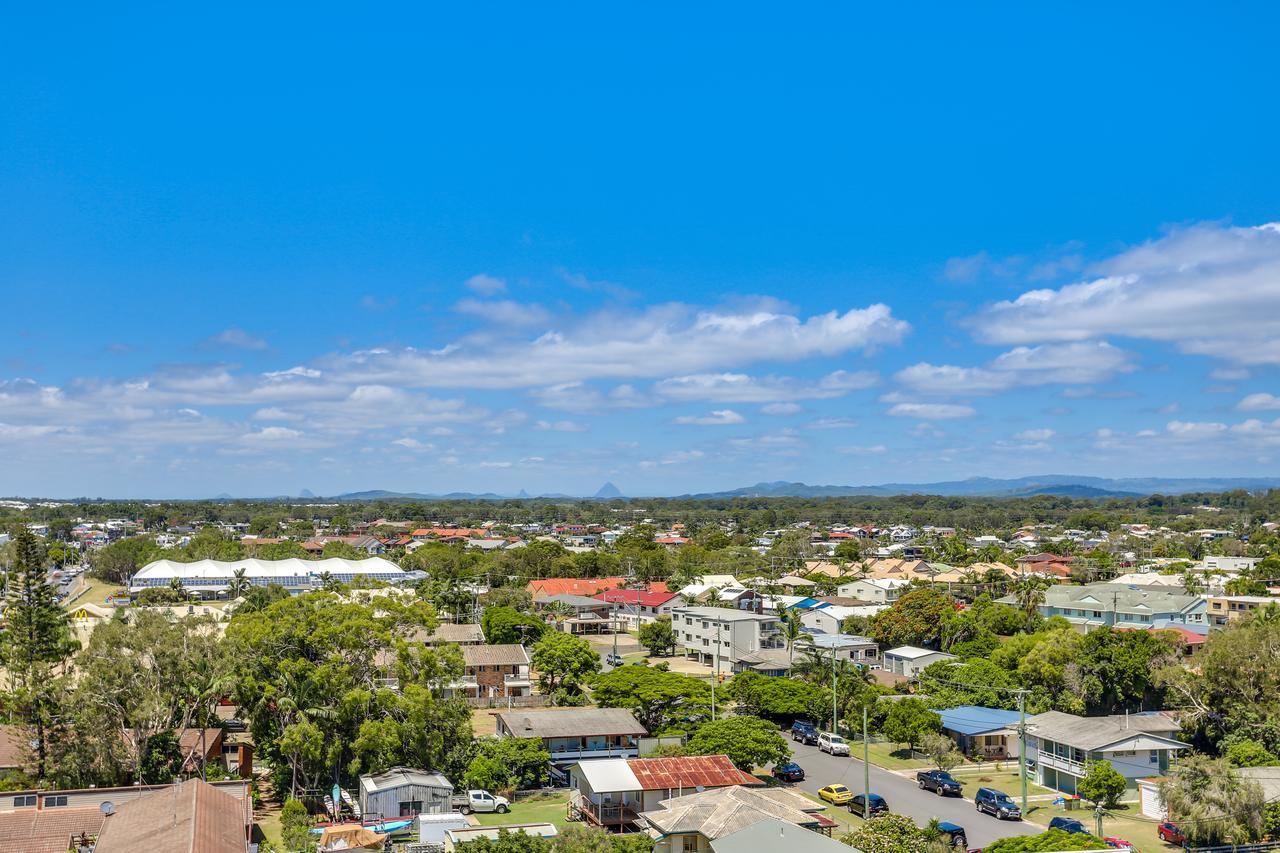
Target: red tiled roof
709, 771
573, 586
671, 540
1191, 638
1043, 557
451, 532
636, 596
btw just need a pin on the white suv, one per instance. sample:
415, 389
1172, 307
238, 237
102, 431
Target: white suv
832, 743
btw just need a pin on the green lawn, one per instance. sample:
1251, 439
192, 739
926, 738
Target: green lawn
1004, 780
888, 756
96, 593
540, 808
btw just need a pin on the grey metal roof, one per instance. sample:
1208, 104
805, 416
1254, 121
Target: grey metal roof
450, 632
724, 614
1119, 597
1097, 732
771, 835
576, 601
398, 777
571, 722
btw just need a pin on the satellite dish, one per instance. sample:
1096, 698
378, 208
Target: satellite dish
107, 808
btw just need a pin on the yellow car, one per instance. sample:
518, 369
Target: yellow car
837, 795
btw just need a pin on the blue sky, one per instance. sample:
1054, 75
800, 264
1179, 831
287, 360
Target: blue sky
680, 248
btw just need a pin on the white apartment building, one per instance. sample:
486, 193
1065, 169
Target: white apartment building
719, 634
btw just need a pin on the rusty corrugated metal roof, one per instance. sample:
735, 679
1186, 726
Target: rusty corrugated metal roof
709, 771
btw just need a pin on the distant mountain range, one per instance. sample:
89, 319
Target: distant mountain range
1063, 485
1050, 484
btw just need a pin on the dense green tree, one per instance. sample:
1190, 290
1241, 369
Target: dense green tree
1102, 784
887, 833
563, 661
748, 741
915, 619
35, 643
908, 721
295, 827
780, 700
1245, 752
508, 764
508, 625
1212, 802
661, 700
941, 750
658, 636
1053, 841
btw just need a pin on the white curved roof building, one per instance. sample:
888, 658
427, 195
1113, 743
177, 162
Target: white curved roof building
212, 576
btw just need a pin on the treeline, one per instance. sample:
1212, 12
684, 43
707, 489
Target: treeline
973, 514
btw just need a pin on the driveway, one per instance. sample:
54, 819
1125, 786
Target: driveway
904, 797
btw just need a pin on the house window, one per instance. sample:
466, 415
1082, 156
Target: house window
50, 802
412, 807
1154, 757
24, 800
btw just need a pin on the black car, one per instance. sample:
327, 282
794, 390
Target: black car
1068, 824
940, 781
804, 732
953, 834
877, 805
789, 772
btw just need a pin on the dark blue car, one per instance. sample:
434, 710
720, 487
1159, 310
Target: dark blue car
789, 772
804, 732
1068, 824
874, 805
954, 834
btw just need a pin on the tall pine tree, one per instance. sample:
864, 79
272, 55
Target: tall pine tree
36, 641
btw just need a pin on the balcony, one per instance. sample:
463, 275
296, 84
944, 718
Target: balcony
1058, 762
518, 680
602, 814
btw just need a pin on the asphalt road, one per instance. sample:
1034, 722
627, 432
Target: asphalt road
905, 798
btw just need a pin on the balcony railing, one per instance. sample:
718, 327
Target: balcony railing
1048, 759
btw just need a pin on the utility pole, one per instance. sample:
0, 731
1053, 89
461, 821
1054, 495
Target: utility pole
613, 627
866, 764
1022, 751
835, 716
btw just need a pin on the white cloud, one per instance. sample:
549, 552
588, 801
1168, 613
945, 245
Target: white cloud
274, 413
412, 444
741, 388
719, 417
663, 340
271, 435
832, 423
1194, 430
1229, 374
932, 411
486, 285
1259, 403
857, 450
234, 338
1048, 364
1035, 435
504, 312
782, 408
303, 372
561, 426
1209, 289
495, 464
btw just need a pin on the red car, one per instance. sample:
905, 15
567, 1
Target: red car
1119, 843
1169, 832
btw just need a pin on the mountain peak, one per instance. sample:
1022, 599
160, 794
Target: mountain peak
608, 490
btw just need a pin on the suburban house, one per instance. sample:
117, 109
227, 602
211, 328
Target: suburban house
1227, 609
588, 615
576, 734
1119, 606
573, 586
453, 837
1152, 805
189, 817
720, 635
910, 661
1137, 745
701, 587
693, 821
56, 821
612, 792
771, 662
875, 590
493, 672
1045, 563
636, 607
990, 732
850, 647
829, 618
462, 633
404, 792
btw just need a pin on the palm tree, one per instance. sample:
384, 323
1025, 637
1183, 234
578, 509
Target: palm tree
793, 632
327, 581
239, 583
1030, 591
1212, 802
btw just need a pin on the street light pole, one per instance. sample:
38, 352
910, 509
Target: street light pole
866, 764
1022, 747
